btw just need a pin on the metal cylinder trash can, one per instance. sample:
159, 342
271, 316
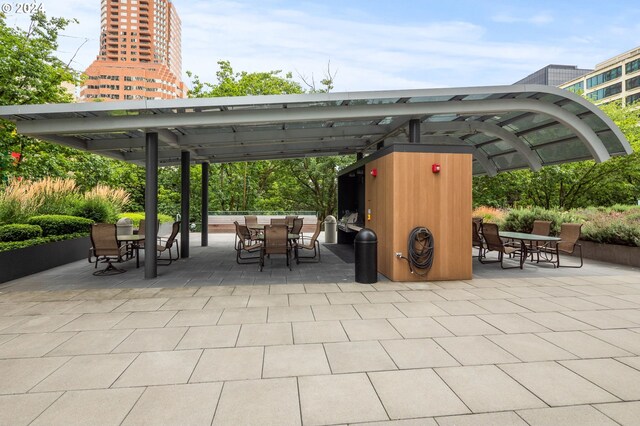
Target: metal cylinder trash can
330, 230
366, 254
124, 226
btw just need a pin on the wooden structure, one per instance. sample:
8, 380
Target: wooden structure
405, 193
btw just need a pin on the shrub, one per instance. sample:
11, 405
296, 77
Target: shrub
136, 216
96, 209
613, 227
18, 202
24, 198
490, 214
60, 224
14, 245
19, 232
521, 220
57, 195
116, 198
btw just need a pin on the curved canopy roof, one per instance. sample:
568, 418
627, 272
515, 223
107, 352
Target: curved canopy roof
509, 127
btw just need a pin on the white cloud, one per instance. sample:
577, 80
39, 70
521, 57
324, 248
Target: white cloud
537, 19
370, 53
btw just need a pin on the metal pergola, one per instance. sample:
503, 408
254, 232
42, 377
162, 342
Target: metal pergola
507, 127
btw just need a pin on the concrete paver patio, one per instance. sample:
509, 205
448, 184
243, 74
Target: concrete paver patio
538, 347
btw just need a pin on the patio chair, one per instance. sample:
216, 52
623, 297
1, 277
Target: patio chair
251, 221
275, 242
569, 236
312, 244
540, 227
476, 236
142, 230
495, 243
165, 245
296, 228
105, 247
278, 221
245, 244
289, 220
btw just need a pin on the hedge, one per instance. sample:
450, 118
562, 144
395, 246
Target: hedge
19, 232
136, 216
14, 245
617, 224
61, 224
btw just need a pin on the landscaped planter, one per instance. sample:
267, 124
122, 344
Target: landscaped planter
29, 260
611, 253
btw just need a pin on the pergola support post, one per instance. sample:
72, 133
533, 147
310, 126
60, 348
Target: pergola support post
205, 205
185, 162
151, 204
414, 130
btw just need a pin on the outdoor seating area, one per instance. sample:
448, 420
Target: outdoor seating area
547, 248
108, 245
282, 236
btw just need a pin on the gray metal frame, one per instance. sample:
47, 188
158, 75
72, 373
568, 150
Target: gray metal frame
289, 126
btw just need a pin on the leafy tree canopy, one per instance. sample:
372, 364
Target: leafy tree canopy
571, 185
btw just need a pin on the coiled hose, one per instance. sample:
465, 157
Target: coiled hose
420, 247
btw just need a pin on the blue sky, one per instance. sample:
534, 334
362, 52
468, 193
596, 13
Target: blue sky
378, 45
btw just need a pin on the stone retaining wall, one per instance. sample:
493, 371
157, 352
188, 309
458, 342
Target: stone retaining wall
611, 253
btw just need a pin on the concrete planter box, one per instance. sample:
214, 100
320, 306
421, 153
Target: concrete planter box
29, 260
611, 253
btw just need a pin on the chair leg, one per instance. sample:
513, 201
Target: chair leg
109, 270
261, 260
501, 258
570, 266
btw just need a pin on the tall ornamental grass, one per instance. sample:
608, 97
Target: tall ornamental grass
22, 199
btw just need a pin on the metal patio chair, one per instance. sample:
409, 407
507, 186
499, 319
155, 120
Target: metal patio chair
105, 248
276, 241
166, 244
494, 243
311, 244
244, 243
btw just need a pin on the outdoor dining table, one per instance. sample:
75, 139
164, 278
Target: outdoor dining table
525, 238
135, 241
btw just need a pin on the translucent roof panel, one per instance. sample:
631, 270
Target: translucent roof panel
512, 127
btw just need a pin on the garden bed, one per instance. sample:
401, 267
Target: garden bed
29, 260
611, 253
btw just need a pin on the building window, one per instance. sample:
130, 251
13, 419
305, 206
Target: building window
632, 98
632, 83
605, 92
604, 77
632, 66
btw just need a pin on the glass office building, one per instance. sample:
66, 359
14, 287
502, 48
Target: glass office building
615, 79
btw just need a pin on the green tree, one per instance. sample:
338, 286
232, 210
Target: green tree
571, 185
30, 73
304, 184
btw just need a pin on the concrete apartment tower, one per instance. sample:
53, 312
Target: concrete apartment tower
140, 53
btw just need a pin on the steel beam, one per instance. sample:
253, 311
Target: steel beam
204, 213
471, 127
151, 206
185, 164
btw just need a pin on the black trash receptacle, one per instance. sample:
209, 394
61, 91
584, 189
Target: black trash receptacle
366, 253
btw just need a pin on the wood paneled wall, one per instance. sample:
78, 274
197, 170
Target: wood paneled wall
406, 194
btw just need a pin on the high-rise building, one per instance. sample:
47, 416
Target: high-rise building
617, 78
554, 75
140, 53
